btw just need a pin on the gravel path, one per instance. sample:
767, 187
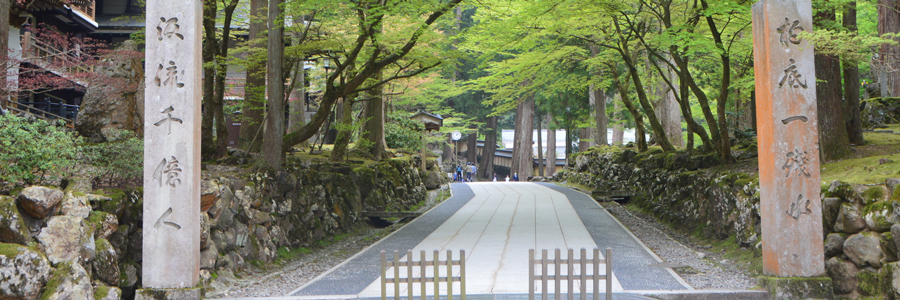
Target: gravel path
709, 270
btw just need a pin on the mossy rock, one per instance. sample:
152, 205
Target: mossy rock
869, 283
873, 194
69, 281
843, 190
12, 225
888, 247
798, 287
881, 215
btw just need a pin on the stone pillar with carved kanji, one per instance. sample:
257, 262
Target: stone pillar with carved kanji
790, 205
171, 227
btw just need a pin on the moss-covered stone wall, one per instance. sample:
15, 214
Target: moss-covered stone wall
247, 219
679, 189
861, 223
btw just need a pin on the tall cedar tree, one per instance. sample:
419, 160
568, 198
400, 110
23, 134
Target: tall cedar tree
272, 144
851, 83
254, 90
833, 140
214, 70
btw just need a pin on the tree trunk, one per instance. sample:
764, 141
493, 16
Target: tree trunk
254, 88
344, 131
471, 147
639, 137
297, 103
298, 100
210, 47
833, 140
551, 147
618, 128
486, 167
889, 56
712, 140
448, 149
373, 128
658, 130
221, 71
725, 84
522, 149
584, 135
851, 85
273, 142
568, 140
692, 126
753, 110
598, 105
540, 148
667, 108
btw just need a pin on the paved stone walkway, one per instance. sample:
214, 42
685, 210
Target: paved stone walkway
496, 223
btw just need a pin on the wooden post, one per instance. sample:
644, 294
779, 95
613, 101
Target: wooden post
383, 275
584, 262
530, 274
462, 274
543, 274
396, 275
422, 264
569, 277
596, 280
409, 274
449, 275
556, 274
609, 276
437, 272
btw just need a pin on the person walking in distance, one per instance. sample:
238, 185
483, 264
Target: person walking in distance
469, 172
515, 176
459, 177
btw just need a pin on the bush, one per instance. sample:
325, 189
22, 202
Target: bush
401, 132
121, 159
31, 150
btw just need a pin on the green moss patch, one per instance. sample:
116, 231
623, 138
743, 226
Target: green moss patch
101, 292
866, 170
11, 250
63, 271
869, 283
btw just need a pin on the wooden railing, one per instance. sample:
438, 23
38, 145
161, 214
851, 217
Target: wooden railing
17, 108
87, 9
570, 275
48, 57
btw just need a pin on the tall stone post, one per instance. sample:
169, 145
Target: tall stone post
789, 181
171, 242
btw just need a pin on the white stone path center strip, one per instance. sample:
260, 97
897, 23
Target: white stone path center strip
497, 228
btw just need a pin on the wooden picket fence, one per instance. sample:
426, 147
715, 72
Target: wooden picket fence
423, 265
570, 276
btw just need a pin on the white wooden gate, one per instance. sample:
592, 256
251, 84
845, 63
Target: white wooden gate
423, 264
570, 276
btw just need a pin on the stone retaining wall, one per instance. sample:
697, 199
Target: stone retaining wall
72, 244
861, 223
